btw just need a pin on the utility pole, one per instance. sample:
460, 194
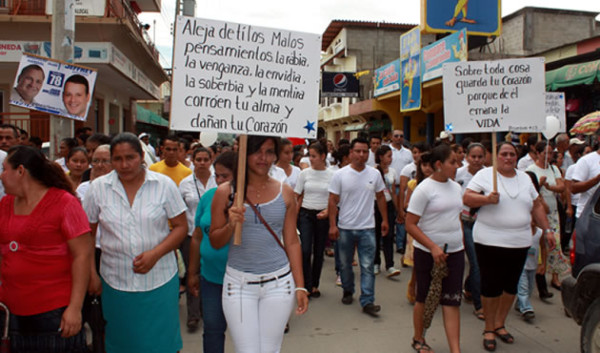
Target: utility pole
63, 39
189, 8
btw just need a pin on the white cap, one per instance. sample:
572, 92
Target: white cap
143, 134
445, 135
575, 141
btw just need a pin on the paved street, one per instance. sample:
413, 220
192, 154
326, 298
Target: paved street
330, 326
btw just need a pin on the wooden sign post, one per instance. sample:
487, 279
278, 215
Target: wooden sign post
240, 187
495, 161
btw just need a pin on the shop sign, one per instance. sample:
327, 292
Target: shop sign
339, 84
83, 7
448, 49
481, 17
410, 49
387, 78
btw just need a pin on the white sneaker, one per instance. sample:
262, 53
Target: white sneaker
376, 269
393, 272
338, 281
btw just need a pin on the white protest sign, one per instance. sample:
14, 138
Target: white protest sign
555, 106
242, 79
488, 96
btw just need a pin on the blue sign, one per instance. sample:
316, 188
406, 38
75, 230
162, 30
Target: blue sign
387, 78
410, 49
446, 50
479, 17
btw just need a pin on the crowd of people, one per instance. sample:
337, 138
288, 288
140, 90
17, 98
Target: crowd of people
116, 220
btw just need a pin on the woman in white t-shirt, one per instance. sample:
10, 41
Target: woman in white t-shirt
284, 161
502, 235
551, 183
433, 219
313, 222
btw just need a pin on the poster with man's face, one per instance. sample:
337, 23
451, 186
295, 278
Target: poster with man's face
53, 87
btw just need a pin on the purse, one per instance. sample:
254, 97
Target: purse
262, 220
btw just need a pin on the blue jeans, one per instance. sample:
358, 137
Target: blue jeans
313, 233
526, 283
213, 338
473, 281
364, 239
400, 236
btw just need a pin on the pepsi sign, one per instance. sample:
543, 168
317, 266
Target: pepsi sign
339, 84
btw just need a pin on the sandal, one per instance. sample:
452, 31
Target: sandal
420, 346
479, 314
489, 345
506, 337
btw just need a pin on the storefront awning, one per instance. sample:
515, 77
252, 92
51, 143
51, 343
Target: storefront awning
147, 116
355, 127
571, 75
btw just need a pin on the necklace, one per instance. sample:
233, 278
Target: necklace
505, 189
257, 192
197, 189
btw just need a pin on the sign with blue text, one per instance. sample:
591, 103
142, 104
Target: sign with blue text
410, 50
53, 87
242, 79
387, 78
555, 106
478, 17
488, 96
448, 49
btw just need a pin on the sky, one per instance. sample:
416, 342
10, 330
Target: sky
315, 15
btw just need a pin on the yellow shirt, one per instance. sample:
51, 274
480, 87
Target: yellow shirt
176, 173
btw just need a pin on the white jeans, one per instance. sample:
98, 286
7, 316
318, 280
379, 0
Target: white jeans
256, 314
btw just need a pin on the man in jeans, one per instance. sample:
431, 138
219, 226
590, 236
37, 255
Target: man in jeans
353, 189
401, 157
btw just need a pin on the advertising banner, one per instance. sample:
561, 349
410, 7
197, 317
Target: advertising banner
410, 49
488, 96
242, 79
54, 87
481, 17
387, 78
448, 49
555, 106
339, 84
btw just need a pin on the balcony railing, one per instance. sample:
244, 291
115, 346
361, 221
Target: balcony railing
114, 9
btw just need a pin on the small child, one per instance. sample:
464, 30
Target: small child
534, 264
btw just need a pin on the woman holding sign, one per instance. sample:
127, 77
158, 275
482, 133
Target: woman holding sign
263, 277
502, 236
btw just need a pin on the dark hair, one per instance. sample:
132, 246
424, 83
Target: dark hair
358, 140
200, 149
440, 153
318, 147
72, 152
80, 80
282, 143
99, 138
381, 151
253, 145
487, 144
28, 68
475, 145
171, 138
36, 141
227, 160
186, 143
540, 146
425, 159
376, 136
70, 142
506, 143
23, 132
341, 152
45, 172
466, 142
343, 142
534, 180
455, 147
9, 126
422, 147
128, 138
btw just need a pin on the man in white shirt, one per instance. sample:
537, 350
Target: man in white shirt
572, 153
586, 176
354, 189
401, 157
374, 144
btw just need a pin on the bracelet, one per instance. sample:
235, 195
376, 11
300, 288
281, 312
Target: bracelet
301, 289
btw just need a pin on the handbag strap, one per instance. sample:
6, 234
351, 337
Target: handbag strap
262, 220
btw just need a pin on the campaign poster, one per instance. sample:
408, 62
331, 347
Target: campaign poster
243, 79
478, 17
53, 87
410, 49
489, 96
448, 49
387, 78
